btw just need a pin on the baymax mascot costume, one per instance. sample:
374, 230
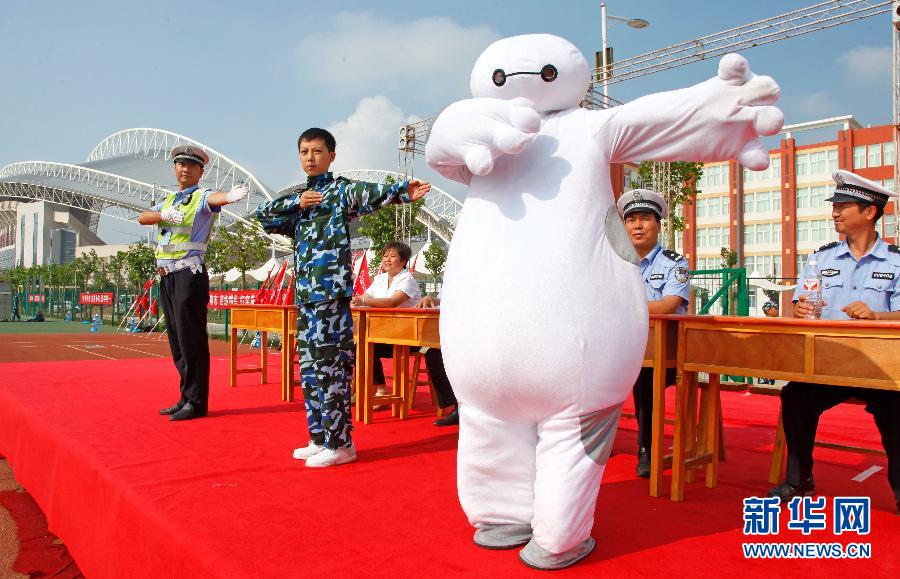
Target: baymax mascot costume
543, 317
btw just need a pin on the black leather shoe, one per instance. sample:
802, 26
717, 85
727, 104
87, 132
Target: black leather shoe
188, 412
643, 464
171, 409
451, 419
786, 491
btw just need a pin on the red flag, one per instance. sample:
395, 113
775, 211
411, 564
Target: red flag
261, 292
154, 309
287, 294
362, 281
275, 290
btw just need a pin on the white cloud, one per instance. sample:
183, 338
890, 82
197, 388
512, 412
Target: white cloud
368, 138
433, 56
814, 105
867, 62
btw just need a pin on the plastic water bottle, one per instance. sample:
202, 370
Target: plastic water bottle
812, 289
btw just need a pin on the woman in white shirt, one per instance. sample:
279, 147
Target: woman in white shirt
394, 287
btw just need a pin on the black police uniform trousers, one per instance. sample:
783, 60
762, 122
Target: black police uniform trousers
643, 403
434, 362
802, 404
184, 296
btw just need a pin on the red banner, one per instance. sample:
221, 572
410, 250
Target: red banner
96, 299
220, 300
36, 298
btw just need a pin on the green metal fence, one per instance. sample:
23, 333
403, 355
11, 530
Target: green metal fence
720, 292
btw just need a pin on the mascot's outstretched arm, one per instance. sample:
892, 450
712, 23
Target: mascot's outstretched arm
719, 119
468, 135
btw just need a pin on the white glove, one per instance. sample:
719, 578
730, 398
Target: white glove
237, 194
172, 215
474, 132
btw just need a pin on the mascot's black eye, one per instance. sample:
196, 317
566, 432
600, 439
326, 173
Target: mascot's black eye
499, 77
548, 73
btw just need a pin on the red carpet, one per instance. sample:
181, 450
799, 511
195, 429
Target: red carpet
133, 495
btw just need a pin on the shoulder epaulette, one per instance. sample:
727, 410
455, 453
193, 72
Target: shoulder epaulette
674, 256
893, 248
828, 246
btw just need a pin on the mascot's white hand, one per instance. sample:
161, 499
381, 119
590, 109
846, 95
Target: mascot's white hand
738, 94
474, 132
172, 215
237, 194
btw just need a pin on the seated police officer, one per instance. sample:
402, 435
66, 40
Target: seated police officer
860, 281
185, 222
666, 276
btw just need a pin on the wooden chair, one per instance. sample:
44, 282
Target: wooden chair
779, 449
416, 381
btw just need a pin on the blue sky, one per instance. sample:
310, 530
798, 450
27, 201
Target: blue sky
246, 78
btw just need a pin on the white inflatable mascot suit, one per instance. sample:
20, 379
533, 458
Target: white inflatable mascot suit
544, 319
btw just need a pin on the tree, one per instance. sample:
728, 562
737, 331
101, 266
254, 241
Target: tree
386, 225
241, 246
85, 266
118, 274
677, 182
435, 257
729, 258
390, 224
141, 264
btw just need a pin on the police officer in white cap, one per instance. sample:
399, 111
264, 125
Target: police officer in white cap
185, 222
860, 281
666, 281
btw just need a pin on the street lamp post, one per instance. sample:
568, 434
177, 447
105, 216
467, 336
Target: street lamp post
632, 22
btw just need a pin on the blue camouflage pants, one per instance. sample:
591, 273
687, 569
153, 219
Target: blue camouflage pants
326, 352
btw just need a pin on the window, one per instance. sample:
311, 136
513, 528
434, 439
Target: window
889, 225
816, 230
802, 259
715, 176
889, 153
875, 155
763, 265
811, 197
713, 237
817, 163
859, 157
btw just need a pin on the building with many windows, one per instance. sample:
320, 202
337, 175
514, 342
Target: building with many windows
774, 219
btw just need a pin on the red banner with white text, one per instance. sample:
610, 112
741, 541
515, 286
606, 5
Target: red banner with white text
220, 300
96, 299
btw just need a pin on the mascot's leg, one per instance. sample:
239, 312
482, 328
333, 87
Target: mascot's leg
495, 477
571, 455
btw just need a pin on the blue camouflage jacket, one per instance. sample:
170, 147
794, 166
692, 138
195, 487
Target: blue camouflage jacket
322, 262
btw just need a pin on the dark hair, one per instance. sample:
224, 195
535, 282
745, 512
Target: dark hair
317, 133
402, 250
879, 211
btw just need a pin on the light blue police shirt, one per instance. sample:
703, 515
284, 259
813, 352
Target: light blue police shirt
203, 222
666, 273
873, 279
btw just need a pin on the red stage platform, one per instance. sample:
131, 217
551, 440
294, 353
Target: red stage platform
133, 495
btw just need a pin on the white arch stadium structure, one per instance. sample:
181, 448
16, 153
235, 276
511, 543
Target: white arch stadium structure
129, 171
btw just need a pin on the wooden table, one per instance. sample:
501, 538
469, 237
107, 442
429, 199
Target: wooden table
661, 354
402, 327
843, 353
264, 318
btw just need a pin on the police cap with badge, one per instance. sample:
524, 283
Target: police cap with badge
642, 200
190, 153
851, 188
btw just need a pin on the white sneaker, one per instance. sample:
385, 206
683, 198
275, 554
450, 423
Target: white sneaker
333, 457
304, 452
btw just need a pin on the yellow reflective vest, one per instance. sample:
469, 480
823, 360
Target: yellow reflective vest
179, 243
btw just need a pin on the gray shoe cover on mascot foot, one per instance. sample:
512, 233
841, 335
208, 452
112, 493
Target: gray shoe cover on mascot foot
536, 557
509, 536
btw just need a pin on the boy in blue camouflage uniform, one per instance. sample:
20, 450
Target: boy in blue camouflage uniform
318, 217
